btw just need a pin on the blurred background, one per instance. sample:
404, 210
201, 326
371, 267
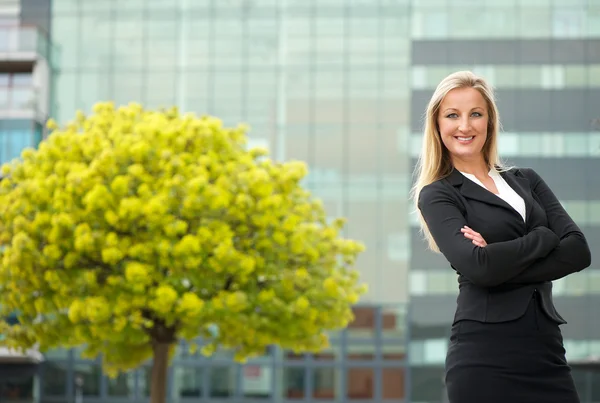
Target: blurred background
342, 85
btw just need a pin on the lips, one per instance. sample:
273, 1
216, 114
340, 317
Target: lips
464, 139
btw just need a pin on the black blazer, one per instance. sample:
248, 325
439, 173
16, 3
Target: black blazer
521, 258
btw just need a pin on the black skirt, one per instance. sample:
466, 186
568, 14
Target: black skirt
520, 361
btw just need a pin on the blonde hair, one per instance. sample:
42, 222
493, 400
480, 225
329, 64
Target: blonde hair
434, 163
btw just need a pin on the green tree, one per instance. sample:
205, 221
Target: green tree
129, 229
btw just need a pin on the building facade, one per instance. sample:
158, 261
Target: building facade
543, 59
25, 77
343, 86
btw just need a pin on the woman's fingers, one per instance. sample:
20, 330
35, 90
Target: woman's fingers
476, 237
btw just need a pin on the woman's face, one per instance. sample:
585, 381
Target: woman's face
463, 121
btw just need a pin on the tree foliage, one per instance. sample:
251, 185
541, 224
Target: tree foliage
130, 228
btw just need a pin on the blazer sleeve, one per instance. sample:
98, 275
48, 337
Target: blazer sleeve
571, 255
486, 267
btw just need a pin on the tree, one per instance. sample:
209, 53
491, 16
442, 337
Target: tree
128, 230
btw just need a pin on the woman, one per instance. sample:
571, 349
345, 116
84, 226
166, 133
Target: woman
507, 236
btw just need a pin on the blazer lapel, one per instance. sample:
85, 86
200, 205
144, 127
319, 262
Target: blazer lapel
472, 190
522, 186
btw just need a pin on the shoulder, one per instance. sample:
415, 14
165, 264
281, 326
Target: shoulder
438, 189
525, 172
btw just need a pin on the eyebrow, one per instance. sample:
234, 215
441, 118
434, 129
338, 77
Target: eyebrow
453, 109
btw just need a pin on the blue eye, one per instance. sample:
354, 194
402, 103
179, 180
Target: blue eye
454, 115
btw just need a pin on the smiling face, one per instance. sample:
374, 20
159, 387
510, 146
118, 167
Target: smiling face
463, 122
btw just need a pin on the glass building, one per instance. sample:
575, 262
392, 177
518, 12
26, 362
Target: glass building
543, 57
342, 85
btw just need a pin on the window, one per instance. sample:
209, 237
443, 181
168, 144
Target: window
54, 378
418, 282
295, 378
122, 385
430, 23
89, 377
222, 381
567, 22
257, 381
553, 76
324, 383
16, 91
14, 137
188, 381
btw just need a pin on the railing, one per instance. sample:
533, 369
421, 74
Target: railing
17, 39
21, 98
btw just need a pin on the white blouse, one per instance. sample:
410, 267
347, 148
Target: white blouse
505, 192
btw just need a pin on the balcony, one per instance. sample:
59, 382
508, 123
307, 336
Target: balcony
8, 356
22, 102
22, 45
18, 102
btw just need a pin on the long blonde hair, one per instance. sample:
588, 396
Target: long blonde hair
435, 163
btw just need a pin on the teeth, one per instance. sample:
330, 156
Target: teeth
465, 138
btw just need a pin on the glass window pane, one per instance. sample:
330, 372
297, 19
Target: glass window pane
13, 141
122, 385
394, 322
506, 76
594, 282
567, 22
440, 282
576, 145
66, 87
257, 381
22, 98
363, 325
144, 381
57, 354
66, 33
88, 375
188, 381
4, 97
427, 383
295, 379
54, 378
393, 383
534, 22
360, 383
16, 389
530, 142
22, 79
593, 215
100, 41
576, 76
5, 36
222, 381
576, 285
324, 383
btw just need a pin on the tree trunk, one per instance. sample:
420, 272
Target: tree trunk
158, 386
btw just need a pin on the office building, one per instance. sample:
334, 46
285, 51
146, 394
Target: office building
543, 59
342, 85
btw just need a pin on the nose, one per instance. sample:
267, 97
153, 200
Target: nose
463, 125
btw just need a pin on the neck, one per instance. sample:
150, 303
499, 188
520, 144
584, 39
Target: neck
478, 168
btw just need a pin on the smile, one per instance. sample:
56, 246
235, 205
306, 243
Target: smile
465, 139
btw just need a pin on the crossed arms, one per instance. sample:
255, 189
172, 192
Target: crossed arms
544, 254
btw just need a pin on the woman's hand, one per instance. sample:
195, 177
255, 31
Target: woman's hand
474, 236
